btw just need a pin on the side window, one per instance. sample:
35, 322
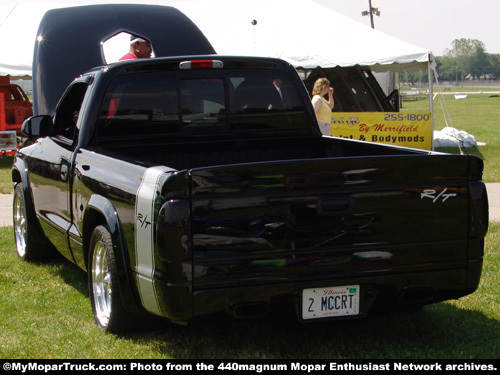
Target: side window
67, 113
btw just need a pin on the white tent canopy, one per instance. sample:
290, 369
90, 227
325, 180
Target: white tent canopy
303, 32
18, 26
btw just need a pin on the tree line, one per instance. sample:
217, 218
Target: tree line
467, 59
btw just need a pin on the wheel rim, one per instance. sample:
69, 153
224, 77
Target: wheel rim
101, 284
19, 226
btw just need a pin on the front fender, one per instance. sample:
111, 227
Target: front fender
20, 175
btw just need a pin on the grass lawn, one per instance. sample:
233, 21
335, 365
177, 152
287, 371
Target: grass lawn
478, 115
5, 175
45, 313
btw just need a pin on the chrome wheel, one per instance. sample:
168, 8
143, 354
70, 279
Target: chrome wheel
20, 227
107, 306
101, 283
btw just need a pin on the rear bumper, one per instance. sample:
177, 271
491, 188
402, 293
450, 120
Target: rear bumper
378, 294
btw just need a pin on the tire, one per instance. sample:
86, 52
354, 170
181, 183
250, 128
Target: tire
107, 307
27, 248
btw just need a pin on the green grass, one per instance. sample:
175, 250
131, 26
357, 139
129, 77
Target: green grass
5, 174
478, 115
45, 313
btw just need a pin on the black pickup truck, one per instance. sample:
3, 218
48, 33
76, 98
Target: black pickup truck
188, 186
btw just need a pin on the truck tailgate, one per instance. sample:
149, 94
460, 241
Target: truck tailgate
321, 219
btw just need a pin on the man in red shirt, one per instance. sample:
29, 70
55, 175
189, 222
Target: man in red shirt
139, 48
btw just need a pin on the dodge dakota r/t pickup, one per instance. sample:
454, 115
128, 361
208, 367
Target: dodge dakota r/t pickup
186, 185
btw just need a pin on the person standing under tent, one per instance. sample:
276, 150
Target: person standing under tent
322, 106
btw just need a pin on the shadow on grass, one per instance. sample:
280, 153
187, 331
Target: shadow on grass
69, 272
6, 162
440, 330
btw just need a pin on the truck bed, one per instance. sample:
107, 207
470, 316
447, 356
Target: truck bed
212, 152
320, 212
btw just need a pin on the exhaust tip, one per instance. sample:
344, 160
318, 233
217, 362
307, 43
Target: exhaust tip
251, 310
416, 295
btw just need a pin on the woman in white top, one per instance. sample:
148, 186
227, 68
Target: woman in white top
323, 107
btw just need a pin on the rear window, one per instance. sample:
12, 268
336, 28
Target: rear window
168, 104
13, 93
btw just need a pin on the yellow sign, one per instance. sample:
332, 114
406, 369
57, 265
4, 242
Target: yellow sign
395, 128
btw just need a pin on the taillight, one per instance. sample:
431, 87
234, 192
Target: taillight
478, 210
201, 64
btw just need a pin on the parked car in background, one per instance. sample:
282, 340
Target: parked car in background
15, 107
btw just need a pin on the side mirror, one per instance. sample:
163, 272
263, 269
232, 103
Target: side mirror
37, 126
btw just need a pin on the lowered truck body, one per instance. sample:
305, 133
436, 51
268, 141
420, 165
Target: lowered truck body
187, 186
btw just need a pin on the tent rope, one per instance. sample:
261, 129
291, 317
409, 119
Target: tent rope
446, 113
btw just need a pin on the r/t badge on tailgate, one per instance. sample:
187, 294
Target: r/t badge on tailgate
437, 196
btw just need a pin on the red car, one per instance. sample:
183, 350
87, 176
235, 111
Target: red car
15, 107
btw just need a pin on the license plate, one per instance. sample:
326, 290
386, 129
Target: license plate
330, 302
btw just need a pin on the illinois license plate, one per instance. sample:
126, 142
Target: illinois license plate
330, 302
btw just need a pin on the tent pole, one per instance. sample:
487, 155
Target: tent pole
431, 101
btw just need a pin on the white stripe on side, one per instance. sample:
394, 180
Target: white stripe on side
144, 237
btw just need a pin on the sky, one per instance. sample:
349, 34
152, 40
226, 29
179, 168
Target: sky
431, 24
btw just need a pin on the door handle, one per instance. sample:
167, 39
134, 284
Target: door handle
64, 172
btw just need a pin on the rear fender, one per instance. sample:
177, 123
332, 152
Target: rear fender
100, 211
